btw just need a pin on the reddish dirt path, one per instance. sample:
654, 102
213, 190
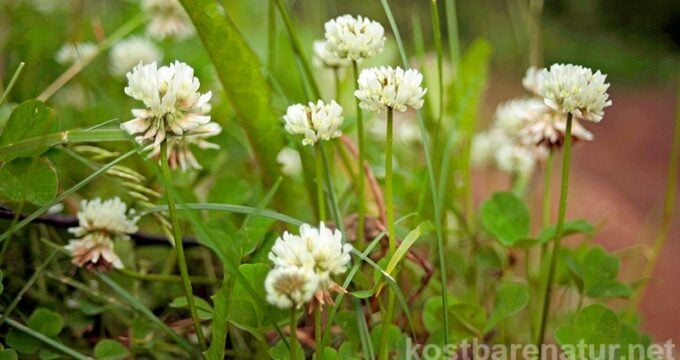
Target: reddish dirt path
618, 182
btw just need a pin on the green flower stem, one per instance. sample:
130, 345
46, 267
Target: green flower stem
361, 178
165, 169
12, 81
391, 233
338, 83
554, 255
320, 196
293, 334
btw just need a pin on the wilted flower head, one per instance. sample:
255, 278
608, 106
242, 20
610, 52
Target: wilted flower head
132, 51
99, 223
167, 19
290, 286
325, 57
353, 38
290, 161
387, 87
315, 121
71, 53
173, 103
318, 249
179, 147
574, 89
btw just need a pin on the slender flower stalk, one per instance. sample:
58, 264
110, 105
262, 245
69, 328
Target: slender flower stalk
321, 197
554, 255
186, 281
293, 334
391, 233
361, 178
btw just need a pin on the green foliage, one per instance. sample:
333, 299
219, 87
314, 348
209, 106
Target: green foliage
596, 272
505, 217
109, 349
205, 310
511, 298
570, 228
44, 321
32, 180
30, 119
281, 352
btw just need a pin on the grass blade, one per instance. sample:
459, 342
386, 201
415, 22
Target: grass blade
47, 340
236, 209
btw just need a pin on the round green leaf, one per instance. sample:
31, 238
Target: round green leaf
30, 119
505, 217
46, 322
32, 180
109, 349
510, 299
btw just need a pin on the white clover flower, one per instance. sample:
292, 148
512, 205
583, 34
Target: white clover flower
173, 104
290, 161
167, 19
179, 147
323, 57
130, 52
574, 89
532, 80
513, 115
515, 159
354, 39
99, 223
548, 131
94, 252
290, 286
320, 250
387, 87
71, 53
315, 121
484, 146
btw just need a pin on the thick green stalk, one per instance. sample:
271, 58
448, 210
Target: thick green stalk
320, 196
186, 281
392, 235
317, 331
293, 334
554, 255
361, 179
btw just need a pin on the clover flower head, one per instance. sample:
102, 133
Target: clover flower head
484, 146
387, 87
574, 89
173, 104
354, 39
532, 80
71, 53
167, 19
548, 131
290, 286
316, 121
99, 223
289, 159
513, 115
323, 57
131, 51
515, 159
179, 147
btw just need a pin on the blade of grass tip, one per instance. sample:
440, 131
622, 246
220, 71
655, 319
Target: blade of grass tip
66, 193
350, 277
452, 31
237, 209
436, 29
271, 35
72, 71
12, 81
139, 307
24, 289
47, 340
203, 233
430, 172
64, 137
297, 47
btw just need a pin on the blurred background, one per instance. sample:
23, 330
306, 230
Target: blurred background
618, 180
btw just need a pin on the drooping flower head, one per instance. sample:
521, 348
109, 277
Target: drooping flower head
354, 39
71, 53
290, 161
316, 121
173, 104
131, 51
574, 89
179, 147
167, 19
323, 56
387, 87
290, 286
99, 224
